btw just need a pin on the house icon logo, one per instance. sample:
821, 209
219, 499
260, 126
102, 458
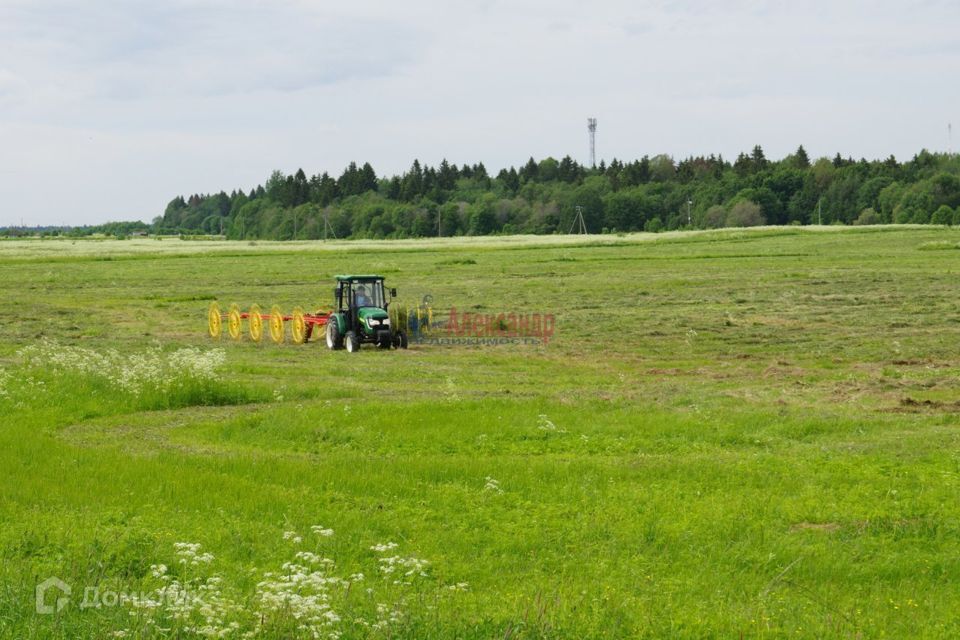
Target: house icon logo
61, 592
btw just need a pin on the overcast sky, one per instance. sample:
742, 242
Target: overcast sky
109, 108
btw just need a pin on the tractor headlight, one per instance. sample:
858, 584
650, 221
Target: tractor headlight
373, 322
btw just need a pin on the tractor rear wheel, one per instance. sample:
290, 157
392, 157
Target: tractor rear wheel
334, 339
352, 341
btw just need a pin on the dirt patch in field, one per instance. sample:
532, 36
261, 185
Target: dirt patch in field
929, 364
826, 527
666, 372
780, 371
910, 405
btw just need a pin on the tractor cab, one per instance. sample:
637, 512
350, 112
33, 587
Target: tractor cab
362, 315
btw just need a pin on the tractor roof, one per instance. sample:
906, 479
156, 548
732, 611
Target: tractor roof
366, 277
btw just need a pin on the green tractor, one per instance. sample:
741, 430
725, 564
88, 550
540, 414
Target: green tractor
362, 314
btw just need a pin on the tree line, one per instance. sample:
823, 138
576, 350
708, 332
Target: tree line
543, 197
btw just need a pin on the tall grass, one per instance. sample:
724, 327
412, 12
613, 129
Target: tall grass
50, 372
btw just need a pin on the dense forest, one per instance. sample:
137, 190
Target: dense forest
649, 194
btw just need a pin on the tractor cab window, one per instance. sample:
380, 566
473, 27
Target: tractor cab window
368, 294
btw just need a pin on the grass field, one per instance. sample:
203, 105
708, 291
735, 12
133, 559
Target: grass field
731, 434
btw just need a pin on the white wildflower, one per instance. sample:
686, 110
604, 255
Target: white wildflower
492, 485
189, 553
546, 424
321, 531
403, 567
311, 558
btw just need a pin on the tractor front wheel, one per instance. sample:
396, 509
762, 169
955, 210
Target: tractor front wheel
334, 339
353, 342
402, 340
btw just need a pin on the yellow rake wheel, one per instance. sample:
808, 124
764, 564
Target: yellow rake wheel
255, 323
276, 325
214, 321
234, 322
298, 329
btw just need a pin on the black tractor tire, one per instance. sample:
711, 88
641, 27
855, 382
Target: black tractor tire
384, 343
402, 340
352, 341
334, 339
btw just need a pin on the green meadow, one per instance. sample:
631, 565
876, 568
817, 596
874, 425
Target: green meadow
730, 434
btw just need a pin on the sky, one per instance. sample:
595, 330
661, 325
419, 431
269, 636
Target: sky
110, 108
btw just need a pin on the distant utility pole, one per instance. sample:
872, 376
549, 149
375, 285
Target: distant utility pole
578, 220
327, 226
689, 218
592, 128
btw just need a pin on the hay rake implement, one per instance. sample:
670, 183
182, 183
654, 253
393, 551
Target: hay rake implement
302, 324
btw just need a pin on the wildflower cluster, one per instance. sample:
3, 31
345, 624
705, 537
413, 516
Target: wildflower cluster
150, 371
402, 570
492, 485
546, 424
4, 381
299, 596
303, 599
189, 553
194, 606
